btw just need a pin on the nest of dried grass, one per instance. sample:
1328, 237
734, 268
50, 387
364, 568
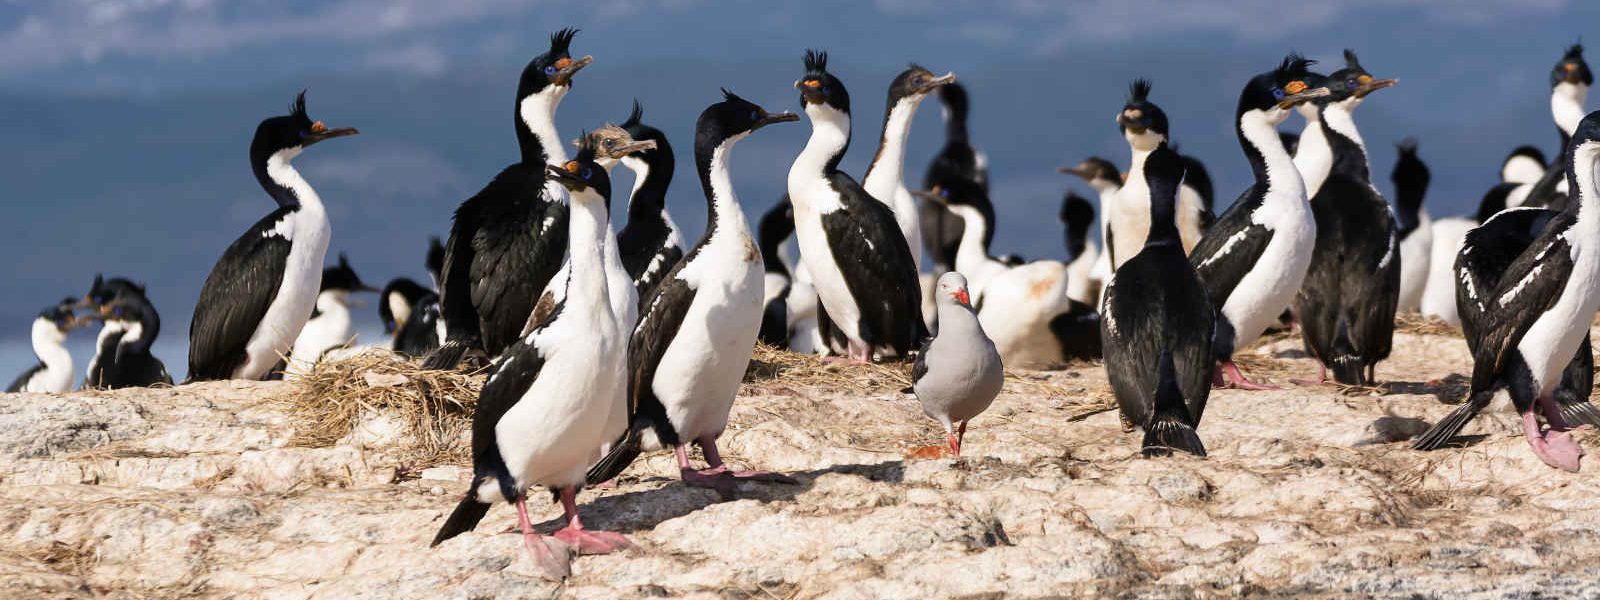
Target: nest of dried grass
1417, 324
436, 406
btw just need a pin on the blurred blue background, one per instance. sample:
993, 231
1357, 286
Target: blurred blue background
126, 123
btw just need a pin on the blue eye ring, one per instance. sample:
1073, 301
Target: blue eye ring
754, 115
1277, 93
586, 173
550, 70
1350, 82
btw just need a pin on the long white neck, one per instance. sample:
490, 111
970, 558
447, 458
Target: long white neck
641, 171
48, 345
725, 205
1284, 185
970, 253
884, 177
1314, 157
538, 113
588, 293
282, 171
1341, 118
830, 134
1566, 105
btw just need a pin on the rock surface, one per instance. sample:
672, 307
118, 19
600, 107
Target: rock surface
196, 491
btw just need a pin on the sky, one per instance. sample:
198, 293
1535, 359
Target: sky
127, 122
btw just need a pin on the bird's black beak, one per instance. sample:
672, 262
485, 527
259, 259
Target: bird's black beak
566, 68
1079, 170
937, 82
1367, 85
632, 147
1302, 96
321, 132
566, 178
770, 118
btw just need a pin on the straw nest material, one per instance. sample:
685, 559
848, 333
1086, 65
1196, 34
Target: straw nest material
1417, 324
435, 406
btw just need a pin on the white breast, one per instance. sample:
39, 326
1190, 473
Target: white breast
699, 373
308, 231
1549, 344
1270, 285
331, 328
1415, 254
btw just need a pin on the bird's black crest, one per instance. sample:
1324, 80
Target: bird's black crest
1139, 90
816, 63
1574, 52
344, 261
1350, 61
635, 117
728, 96
1294, 66
1407, 146
586, 147
560, 41
298, 109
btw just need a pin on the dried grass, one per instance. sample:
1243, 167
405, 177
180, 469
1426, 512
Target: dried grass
436, 406
1416, 324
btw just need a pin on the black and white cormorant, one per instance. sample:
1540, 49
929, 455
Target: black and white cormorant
850, 243
1570, 81
550, 397
957, 160
650, 243
695, 339
1158, 326
885, 178
1410, 177
1077, 216
54, 373
1144, 125
1254, 258
331, 325
772, 232
1106, 179
410, 314
1531, 317
1347, 302
130, 326
263, 289
1518, 172
506, 241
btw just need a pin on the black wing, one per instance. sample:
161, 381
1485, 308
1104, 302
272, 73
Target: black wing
510, 378
236, 297
1229, 250
658, 326
1543, 194
1486, 252
1347, 303
876, 262
1529, 287
22, 380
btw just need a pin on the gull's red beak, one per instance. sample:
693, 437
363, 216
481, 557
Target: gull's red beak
961, 296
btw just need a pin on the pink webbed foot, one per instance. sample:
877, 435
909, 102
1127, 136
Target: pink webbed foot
1234, 378
1555, 447
592, 542
552, 563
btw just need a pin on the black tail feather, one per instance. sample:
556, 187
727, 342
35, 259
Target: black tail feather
1581, 413
463, 519
448, 356
1171, 428
621, 455
1446, 429
1345, 363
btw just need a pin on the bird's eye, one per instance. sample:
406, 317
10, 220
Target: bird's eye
1277, 93
1350, 82
754, 115
550, 70
586, 173
918, 79
611, 143
826, 90
944, 193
